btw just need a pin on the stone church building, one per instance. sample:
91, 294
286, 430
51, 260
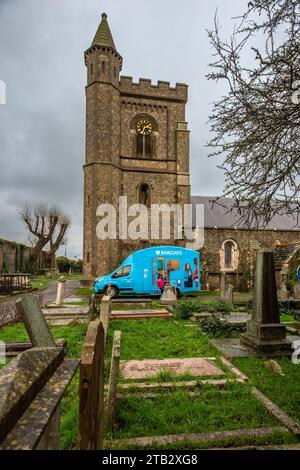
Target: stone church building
137, 145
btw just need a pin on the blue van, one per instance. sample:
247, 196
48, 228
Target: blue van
139, 273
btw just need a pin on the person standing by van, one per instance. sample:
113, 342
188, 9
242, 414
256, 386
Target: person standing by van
160, 283
196, 274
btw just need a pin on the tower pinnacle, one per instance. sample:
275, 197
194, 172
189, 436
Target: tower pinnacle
103, 36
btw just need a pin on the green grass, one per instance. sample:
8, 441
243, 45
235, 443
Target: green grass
284, 391
285, 318
159, 339
84, 291
175, 412
82, 302
40, 282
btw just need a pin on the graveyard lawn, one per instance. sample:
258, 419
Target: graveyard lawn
284, 391
175, 411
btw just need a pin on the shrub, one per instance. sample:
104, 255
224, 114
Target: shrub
214, 306
218, 327
213, 325
183, 310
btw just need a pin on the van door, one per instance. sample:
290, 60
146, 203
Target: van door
123, 278
158, 267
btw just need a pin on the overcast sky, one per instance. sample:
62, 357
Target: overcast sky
42, 124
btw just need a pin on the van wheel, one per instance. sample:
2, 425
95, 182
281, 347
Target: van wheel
178, 293
112, 292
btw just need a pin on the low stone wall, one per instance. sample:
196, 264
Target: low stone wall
14, 257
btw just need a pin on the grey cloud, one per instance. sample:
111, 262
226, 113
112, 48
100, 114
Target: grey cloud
41, 60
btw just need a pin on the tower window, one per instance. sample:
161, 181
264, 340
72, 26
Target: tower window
115, 72
92, 69
103, 67
144, 146
144, 194
88, 257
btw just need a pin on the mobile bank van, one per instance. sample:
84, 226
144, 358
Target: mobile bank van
139, 273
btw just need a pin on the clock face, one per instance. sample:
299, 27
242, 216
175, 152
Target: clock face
144, 127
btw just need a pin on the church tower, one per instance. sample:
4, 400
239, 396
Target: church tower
137, 145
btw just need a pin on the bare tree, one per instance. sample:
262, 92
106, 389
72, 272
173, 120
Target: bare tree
255, 125
48, 228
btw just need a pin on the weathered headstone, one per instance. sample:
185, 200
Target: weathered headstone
297, 290
92, 308
228, 293
168, 296
113, 382
34, 321
283, 291
105, 308
222, 285
264, 332
60, 290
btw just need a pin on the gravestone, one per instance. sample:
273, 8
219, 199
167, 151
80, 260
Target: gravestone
228, 293
198, 366
34, 321
283, 291
264, 333
60, 290
222, 285
168, 297
113, 382
297, 290
105, 308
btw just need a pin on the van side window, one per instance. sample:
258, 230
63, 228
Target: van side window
122, 272
126, 270
173, 265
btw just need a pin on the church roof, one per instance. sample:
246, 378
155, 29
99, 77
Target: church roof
223, 215
103, 36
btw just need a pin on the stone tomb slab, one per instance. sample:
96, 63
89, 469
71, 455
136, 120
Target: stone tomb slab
232, 347
150, 367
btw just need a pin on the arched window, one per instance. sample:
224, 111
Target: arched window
144, 194
144, 146
144, 129
229, 256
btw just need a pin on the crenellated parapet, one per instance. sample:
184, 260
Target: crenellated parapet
161, 90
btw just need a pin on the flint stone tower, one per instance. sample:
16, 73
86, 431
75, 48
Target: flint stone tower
137, 145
